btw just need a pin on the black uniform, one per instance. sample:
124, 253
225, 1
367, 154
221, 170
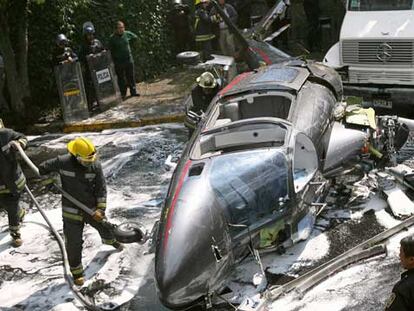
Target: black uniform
87, 48
12, 179
62, 54
312, 11
402, 297
86, 184
179, 18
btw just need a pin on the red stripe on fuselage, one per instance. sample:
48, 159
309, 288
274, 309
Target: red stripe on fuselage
262, 54
235, 81
174, 201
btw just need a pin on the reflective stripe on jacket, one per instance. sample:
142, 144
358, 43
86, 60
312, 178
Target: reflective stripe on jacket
203, 26
86, 184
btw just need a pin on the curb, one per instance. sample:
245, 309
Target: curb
100, 126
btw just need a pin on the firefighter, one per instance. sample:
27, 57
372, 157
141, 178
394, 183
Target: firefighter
402, 296
203, 29
202, 95
63, 53
119, 44
12, 180
81, 175
90, 46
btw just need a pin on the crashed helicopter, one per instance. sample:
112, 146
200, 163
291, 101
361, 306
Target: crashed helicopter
258, 166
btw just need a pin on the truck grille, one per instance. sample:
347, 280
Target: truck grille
392, 52
375, 77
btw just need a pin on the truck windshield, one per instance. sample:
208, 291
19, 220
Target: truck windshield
380, 5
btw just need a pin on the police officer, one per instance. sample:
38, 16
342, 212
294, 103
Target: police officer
179, 18
63, 53
12, 180
402, 296
201, 95
82, 177
203, 29
90, 46
119, 44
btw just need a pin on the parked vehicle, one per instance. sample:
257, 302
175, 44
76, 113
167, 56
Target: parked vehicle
375, 52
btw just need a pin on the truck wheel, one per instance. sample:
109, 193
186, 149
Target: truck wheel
188, 58
129, 232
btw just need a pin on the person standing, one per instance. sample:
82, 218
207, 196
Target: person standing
226, 40
82, 177
119, 44
12, 180
63, 53
179, 18
312, 12
90, 46
203, 29
402, 296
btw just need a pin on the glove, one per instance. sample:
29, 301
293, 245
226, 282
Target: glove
98, 215
47, 184
13, 145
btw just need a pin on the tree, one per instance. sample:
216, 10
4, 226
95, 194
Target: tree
14, 28
13, 47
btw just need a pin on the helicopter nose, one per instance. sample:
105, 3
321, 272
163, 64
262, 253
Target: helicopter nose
188, 258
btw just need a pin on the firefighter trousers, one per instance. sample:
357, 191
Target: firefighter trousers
11, 204
73, 231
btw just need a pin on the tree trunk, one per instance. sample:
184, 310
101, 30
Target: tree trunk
22, 46
3, 103
13, 82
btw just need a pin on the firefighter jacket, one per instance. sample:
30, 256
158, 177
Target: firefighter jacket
203, 26
402, 296
12, 179
86, 184
201, 100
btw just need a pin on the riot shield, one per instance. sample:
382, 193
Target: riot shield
71, 92
102, 71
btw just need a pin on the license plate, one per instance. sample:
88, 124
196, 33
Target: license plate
382, 103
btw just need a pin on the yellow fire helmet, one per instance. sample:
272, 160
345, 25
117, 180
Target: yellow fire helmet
83, 149
197, 2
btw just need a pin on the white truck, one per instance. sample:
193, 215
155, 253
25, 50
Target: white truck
375, 52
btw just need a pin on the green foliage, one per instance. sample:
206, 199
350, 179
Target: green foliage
146, 18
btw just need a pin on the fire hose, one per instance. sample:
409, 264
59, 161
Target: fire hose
138, 236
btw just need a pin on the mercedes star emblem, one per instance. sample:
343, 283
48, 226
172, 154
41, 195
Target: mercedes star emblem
384, 52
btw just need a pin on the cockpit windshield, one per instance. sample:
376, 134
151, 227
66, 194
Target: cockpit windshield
241, 135
250, 183
380, 5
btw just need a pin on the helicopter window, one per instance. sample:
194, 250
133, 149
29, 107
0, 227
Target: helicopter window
249, 184
243, 136
265, 106
249, 107
305, 162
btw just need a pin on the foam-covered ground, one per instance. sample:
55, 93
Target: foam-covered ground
31, 277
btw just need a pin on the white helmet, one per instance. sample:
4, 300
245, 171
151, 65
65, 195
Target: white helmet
207, 80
